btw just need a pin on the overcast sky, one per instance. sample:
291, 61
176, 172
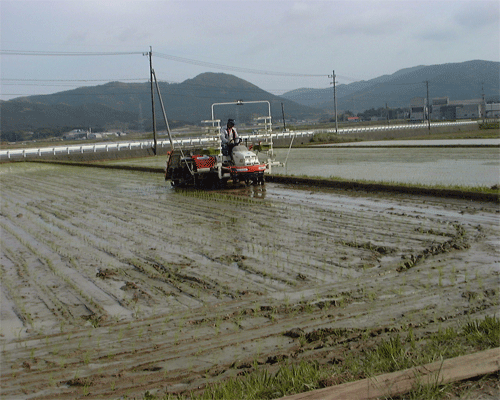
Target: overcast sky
359, 39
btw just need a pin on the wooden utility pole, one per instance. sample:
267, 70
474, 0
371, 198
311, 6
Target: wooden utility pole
428, 109
164, 113
334, 101
283, 113
484, 103
152, 97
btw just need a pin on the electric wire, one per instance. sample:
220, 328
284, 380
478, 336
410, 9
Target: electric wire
232, 68
69, 80
60, 82
67, 53
164, 56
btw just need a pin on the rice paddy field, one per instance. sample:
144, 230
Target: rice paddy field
432, 165
114, 284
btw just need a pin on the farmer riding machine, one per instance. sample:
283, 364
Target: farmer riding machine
202, 162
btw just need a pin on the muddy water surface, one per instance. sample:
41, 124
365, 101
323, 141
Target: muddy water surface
464, 166
113, 283
429, 166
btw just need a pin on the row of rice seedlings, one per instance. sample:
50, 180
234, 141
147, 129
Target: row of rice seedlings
22, 313
57, 272
85, 236
70, 255
146, 236
21, 262
218, 197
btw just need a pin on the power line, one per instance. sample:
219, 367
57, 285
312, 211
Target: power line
66, 53
164, 56
70, 80
233, 68
60, 82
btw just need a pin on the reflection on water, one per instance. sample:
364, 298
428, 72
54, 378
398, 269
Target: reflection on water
238, 189
443, 166
252, 191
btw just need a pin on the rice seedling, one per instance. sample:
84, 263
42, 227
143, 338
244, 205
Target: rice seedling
52, 381
86, 390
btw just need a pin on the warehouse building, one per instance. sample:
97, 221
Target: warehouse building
443, 108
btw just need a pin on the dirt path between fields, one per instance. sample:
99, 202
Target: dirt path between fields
114, 284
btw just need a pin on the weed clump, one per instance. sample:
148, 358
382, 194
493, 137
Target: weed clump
394, 354
484, 334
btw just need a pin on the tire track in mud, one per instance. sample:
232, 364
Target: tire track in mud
217, 283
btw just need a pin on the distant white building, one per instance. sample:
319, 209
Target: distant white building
468, 108
444, 109
418, 109
75, 134
492, 110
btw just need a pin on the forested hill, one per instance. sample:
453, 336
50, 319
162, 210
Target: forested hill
458, 81
128, 105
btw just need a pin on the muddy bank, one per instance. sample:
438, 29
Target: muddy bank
380, 187
114, 284
91, 164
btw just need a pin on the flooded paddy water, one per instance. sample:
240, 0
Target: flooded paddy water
468, 162
415, 165
114, 283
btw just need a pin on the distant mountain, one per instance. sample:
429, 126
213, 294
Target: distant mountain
27, 116
458, 81
129, 105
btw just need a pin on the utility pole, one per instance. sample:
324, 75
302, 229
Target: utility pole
283, 113
484, 103
152, 96
335, 101
428, 109
163, 111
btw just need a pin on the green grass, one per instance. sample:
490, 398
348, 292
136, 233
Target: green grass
264, 385
399, 352
483, 334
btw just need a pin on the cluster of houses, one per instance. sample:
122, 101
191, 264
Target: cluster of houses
442, 108
81, 134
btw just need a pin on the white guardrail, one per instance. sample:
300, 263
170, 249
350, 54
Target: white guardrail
6, 154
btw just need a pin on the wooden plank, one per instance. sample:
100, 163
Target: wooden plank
396, 383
